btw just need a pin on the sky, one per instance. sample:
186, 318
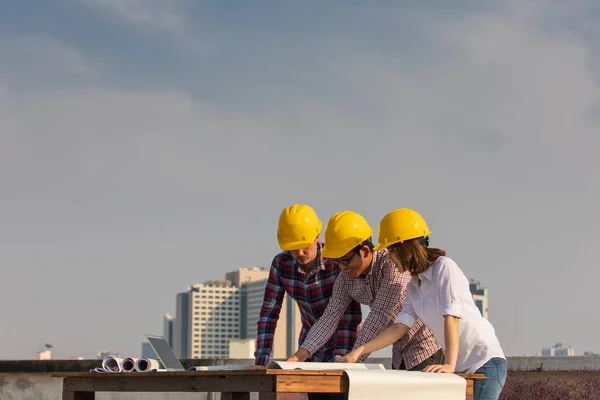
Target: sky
147, 145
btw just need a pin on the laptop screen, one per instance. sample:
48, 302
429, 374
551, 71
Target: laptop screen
164, 352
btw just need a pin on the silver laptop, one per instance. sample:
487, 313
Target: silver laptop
164, 352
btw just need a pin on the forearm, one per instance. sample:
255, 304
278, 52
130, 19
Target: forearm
386, 338
264, 339
269, 315
383, 311
451, 338
375, 323
347, 329
322, 331
319, 334
325, 328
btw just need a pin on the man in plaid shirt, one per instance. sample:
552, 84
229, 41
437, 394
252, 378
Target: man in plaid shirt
301, 271
370, 278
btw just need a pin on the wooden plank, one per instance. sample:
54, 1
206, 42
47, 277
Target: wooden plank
157, 383
262, 372
333, 383
161, 374
472, 376
299, 372
259, 372
316, 384
469, 391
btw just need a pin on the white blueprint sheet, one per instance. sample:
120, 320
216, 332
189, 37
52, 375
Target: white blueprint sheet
400, 385
373, 381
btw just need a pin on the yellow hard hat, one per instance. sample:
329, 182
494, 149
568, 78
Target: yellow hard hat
400, 225
298, 228
344, 231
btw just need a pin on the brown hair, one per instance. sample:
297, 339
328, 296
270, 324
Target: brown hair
414, 256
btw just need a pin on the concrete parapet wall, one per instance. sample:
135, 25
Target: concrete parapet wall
573, 363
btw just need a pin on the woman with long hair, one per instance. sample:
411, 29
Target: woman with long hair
438, 294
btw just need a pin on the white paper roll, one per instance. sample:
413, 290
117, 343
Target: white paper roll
128, 364
146, 364
112, 364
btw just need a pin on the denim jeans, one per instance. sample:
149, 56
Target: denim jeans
436, 358
495, 377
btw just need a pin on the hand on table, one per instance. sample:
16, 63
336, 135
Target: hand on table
440, 368
300, 356
350, 357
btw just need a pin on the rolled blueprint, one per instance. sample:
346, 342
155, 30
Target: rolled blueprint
146, 364
128, 364
112, 364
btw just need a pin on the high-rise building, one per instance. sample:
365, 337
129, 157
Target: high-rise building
253, 294
214, 318
242, 348
211, 314
148, 351
240, 278
558, 350
180, 328
243, 275
168, 328
252, 282
480, 297
285, 341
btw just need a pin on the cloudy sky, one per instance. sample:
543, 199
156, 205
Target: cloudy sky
146, 145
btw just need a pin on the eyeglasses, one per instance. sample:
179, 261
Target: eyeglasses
345, 260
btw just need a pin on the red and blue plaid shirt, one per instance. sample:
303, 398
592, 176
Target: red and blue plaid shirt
311, 292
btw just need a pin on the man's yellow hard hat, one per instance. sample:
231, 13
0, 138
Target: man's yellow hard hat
344, 231
298, 228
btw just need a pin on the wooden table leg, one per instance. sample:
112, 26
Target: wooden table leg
78, 395
469, 391
235, 396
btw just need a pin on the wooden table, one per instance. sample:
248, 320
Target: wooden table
233, 384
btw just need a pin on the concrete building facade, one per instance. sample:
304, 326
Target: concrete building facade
214, 318
168, 328
211, 314
285, 341
480, 297
558, 350
180, 340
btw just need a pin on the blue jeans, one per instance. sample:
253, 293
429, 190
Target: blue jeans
495, 377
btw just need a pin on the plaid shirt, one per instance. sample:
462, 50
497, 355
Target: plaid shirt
383, 289
311, 292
